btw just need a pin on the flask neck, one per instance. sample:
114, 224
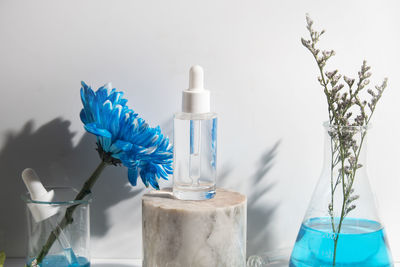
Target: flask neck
345, 148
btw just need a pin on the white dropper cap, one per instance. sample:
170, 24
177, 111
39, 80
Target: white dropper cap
196, 99
37, 191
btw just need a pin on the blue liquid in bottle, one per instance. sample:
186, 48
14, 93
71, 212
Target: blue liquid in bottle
361, 243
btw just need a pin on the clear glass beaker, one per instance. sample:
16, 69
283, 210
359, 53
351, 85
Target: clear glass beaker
341, 226
66, 233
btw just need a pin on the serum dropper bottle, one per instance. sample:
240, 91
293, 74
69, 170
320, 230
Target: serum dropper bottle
195, 142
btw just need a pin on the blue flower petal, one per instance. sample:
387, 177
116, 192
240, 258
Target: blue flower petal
123, 145
133, 175
105, 143
102, 94
153, 180
82, 115
160, 172
115, 119
144, 176
123, 102
92, 128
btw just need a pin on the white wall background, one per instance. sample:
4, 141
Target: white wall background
264, 87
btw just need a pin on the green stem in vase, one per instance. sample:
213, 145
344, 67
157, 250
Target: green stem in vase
67, 219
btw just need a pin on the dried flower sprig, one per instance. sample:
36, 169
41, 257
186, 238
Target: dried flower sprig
349, 116
340, 102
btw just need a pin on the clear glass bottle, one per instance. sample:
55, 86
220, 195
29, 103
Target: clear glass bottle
71, 247
341, 226
195, 155
195, 143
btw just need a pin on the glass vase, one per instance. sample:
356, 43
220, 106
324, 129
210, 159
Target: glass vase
71, 234
341, 226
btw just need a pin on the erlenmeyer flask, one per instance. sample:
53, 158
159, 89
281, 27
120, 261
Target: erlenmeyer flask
341, 226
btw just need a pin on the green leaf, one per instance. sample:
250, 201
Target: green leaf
2, 258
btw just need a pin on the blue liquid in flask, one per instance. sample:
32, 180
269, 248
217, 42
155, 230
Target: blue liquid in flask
361, 243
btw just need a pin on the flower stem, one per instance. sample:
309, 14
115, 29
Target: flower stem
86, 189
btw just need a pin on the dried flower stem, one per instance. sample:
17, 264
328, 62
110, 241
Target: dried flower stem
345, 147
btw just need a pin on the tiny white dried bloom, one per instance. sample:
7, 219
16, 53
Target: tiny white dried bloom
34, 263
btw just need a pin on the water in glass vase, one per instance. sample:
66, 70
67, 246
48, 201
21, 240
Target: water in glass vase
63, 261
361, 243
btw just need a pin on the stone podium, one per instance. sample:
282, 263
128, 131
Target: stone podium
182, 233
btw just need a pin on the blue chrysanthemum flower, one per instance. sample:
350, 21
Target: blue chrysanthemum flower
123, 137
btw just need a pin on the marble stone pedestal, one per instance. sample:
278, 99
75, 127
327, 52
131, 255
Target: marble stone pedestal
207, 233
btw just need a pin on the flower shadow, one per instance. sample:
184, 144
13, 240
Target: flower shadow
51, 152
260, 212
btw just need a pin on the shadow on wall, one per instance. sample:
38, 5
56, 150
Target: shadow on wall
260, 211
50, 151
260, 214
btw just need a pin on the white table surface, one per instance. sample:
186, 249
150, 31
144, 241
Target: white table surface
102, 263
12, 262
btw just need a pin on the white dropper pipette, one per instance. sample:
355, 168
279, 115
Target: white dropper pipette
195, 100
